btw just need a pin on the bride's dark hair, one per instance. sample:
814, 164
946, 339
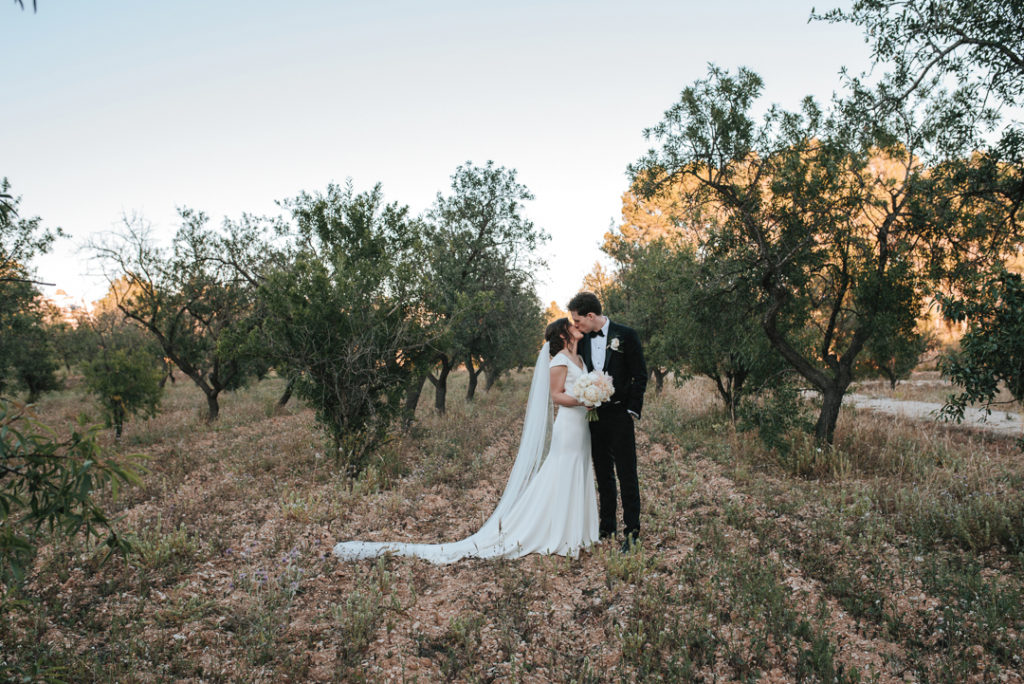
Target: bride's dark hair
557, 335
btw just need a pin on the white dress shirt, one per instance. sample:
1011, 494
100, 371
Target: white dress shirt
599, 346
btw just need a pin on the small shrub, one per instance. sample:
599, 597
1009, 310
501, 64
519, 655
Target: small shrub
361, 614
776, 413
126, 382
658, 643
169, 553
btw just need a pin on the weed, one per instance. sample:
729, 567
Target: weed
361, 614
456, 648
169, 553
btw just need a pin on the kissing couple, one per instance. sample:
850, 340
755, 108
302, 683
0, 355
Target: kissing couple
549, 505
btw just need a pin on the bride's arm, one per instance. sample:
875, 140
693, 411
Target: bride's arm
558, 393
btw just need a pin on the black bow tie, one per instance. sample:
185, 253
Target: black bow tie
597, 333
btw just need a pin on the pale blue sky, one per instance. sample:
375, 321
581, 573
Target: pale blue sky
126, 106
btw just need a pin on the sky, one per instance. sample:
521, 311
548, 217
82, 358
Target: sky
124, 107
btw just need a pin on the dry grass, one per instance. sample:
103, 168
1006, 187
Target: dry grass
894, 556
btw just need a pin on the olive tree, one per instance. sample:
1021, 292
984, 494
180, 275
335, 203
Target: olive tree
187, 299
342, 313
921, 42
506, 331
125, 371
974, 50
479, 255
834, 216
991, 353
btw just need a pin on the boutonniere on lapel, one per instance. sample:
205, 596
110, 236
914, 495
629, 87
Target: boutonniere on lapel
614, 344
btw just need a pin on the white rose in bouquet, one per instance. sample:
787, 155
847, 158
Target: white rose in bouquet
592, 390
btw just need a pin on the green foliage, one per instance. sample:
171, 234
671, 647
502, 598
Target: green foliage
21, 239
341, 314
507, 342
47, 485
979, 44
893, 355
33, 362
169, 554
776, 413
991, 353
976, 50
647, 293
26, 355
126, 372
72, 344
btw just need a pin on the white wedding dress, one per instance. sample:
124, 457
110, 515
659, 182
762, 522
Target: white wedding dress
549, 505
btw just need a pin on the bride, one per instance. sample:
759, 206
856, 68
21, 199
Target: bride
549, 505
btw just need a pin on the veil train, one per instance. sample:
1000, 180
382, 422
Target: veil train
492, 539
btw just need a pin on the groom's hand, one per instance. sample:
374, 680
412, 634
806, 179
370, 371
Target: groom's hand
633, 414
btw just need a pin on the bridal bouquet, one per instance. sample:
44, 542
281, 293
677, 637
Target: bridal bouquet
593, 389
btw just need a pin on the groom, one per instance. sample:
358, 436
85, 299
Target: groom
615, 349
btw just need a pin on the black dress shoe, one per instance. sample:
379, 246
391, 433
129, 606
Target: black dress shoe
605, 534
630, 543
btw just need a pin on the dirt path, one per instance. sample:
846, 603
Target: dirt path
998, 421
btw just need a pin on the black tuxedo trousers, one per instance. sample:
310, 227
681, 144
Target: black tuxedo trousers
613, 449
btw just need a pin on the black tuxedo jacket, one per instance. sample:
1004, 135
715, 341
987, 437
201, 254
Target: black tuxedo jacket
625, 364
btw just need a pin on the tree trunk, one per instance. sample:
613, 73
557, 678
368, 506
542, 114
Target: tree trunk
441, 385
831, 401
724, 391
287, 394
118, 422
212, 407
490, 377
474, 374
831, 385
736, 383
659, 379
169, 375
412, 397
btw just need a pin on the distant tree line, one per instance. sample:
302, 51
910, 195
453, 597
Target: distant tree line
355, 301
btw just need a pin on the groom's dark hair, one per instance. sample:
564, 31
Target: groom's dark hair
585, 303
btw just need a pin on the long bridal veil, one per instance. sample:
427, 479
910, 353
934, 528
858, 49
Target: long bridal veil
493, 538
